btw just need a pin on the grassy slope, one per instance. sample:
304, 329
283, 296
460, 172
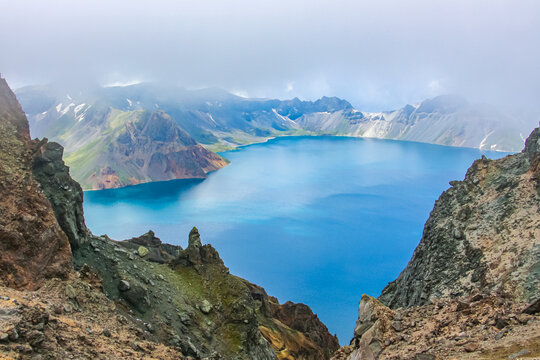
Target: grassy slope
93, 156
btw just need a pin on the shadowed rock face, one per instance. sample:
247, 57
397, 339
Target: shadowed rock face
33, 247
157, 251
482, 235
50, 171
197, 255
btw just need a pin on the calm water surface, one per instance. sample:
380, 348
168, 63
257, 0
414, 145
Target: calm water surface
318, 220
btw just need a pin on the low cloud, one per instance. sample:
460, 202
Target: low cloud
377, 54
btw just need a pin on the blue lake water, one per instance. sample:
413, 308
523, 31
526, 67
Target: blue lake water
318, 220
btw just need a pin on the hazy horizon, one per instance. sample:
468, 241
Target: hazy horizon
67, 88
378, 55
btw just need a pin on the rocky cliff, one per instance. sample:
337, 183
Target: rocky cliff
482, 235
444, 120
148, 147
32, 245
292, 330
472, 287
68, 293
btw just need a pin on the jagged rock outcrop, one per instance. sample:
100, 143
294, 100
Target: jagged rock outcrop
64, 193
374, 320
472, 287
196, 254
156, 250
483, 234
33, 247
310, 341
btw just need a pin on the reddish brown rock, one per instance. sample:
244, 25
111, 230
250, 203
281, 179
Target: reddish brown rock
295, 332
151, 147
301, 318
33, 247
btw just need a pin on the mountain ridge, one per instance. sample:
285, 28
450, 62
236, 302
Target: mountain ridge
221, 121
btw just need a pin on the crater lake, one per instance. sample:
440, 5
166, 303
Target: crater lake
317, 220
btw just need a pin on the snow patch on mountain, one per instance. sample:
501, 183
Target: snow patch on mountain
79, 108
285, 119
483, 142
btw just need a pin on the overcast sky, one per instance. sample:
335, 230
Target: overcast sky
376, 54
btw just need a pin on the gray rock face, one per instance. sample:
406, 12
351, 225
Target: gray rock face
533, 308
194, 240
532, 145
157, 251
64, 193
197, 255
482, 235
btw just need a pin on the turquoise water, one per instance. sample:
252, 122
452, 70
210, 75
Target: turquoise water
318, 220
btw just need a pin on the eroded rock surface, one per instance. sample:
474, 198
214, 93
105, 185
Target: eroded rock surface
473, 327
33, 247
483, 234
292, 329
64, 193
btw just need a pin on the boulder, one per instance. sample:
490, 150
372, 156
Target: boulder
374, 321
124, 285
205, 307
142, 251
533, 308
